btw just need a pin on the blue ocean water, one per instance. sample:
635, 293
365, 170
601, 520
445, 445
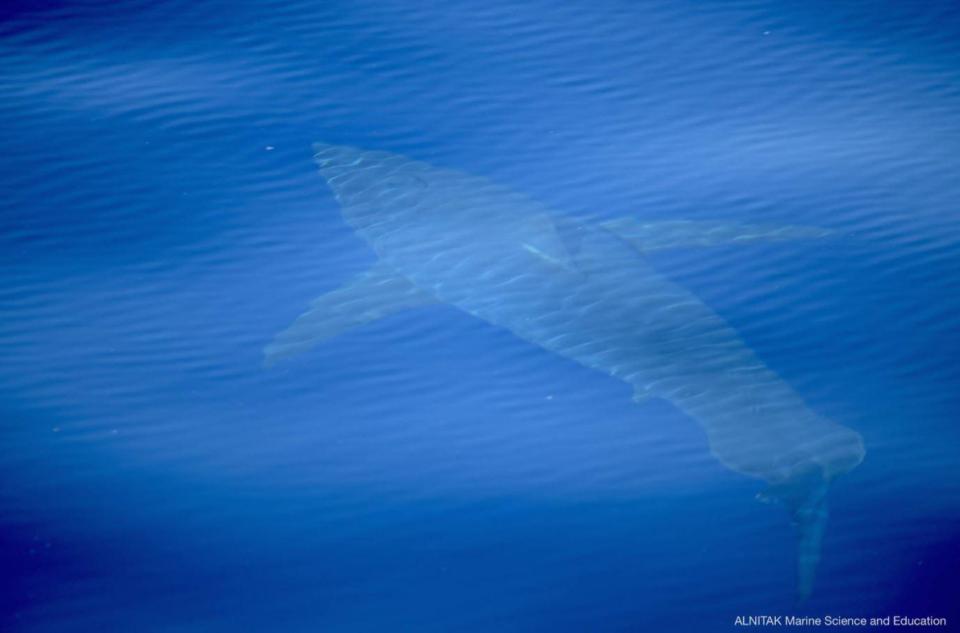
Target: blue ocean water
162, 219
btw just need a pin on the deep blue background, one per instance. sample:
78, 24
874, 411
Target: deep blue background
161, 219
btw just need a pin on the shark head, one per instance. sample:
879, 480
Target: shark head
374, 189
408, 210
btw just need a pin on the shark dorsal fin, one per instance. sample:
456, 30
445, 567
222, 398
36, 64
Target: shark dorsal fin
540, 237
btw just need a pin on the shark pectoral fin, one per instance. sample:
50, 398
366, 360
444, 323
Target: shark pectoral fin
654, 236
805, 496
372, 295
641, 395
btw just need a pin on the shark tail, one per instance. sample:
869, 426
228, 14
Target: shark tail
810, 521
805, 497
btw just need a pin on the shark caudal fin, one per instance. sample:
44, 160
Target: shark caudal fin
372, 295
660, 235
805, 497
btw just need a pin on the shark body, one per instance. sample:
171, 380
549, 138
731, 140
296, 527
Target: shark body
584, 291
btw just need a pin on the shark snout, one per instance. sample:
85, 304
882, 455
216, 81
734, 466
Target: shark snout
328, 156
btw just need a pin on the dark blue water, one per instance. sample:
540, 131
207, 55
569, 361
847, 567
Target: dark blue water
161, 219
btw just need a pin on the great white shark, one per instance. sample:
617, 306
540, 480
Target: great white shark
585, 291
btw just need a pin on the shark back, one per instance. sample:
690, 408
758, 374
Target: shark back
584, 291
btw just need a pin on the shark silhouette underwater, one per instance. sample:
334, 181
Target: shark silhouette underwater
583, 290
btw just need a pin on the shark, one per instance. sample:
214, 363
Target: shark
584, 290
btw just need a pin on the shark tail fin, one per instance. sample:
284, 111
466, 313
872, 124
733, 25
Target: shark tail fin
665, 234
805, 497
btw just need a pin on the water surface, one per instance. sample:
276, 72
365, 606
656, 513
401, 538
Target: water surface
162, 219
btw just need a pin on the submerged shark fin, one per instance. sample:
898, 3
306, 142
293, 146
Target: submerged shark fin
641, 394
369, 296
539, 236
654, 236
805, 497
